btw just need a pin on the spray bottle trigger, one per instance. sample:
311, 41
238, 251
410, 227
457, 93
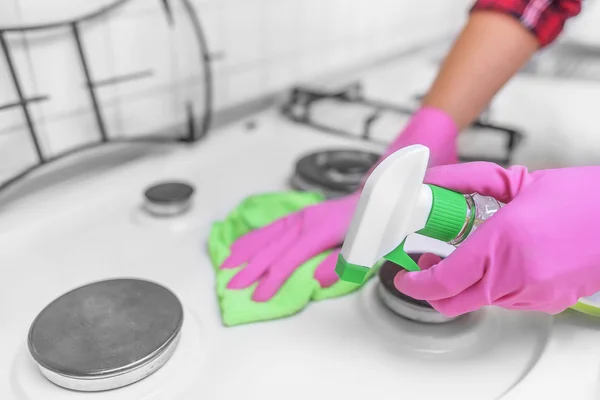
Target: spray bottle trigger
398, 256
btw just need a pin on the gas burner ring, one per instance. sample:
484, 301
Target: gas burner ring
168, 199
409, 310
333, 172
345, 167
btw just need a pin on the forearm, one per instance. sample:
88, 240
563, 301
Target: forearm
490, 50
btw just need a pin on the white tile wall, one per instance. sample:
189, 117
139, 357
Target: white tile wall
265, 47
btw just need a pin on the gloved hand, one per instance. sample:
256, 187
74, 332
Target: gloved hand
539, 252
272, 253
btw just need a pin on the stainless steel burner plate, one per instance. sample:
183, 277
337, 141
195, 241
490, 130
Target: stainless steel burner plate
106, 334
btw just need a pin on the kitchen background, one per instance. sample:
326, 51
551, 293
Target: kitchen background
258, 48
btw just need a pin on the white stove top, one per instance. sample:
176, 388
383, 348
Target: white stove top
90, 228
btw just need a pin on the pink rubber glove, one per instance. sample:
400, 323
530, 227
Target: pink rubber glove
273, 253
540, 252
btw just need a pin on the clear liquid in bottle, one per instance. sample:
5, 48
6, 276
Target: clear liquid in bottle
479, 209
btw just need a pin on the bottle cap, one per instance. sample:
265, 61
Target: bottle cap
445, 222
448, 215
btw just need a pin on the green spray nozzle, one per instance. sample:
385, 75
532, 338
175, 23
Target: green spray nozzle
398, 256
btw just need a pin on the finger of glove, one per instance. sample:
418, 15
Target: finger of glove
553, 308
254, 241
426, 261
449, 277
539, 297
561, 304
282, 269
469, 300
478, 296
543, 307
485, 178
325, 273
526, 306
260, 264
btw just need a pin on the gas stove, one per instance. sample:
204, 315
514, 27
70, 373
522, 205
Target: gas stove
97, 225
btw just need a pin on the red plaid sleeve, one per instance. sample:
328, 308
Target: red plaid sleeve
544, 18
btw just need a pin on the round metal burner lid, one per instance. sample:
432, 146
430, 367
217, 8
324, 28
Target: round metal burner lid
169, 193
335, 170
105, 328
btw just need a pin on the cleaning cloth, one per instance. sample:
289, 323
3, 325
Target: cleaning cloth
237, 306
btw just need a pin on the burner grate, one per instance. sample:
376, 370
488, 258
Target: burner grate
195, 126
303, 99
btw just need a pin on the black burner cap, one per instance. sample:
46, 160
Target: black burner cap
388, 272
338, 170
169, 193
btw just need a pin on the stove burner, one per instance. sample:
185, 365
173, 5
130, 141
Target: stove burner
106, 335
334, 173
401, 304
168, 198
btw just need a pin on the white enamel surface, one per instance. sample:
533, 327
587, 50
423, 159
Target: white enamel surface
393, 204
55, 239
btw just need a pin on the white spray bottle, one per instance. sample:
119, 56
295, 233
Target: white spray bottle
395, 203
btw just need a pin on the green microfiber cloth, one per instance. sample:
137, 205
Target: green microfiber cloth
254, 212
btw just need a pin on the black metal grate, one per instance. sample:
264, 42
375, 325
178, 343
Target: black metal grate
302, 99
193, 132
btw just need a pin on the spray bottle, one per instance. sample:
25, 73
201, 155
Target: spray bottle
395, 203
